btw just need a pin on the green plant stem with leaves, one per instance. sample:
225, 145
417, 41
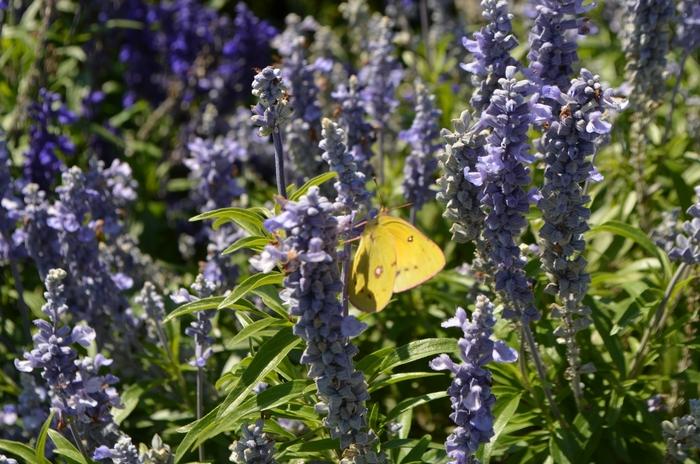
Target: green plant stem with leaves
674, 94
658, 321
29, 83
279, 163
529, 338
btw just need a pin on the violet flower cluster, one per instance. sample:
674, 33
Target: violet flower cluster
80, 395
569, 142
302, 135
312, 287
382, 75
139, 53
552, 54
646, 42
123, 452
11, 236
254, 446
200, 328
191, 44
358, 131
351, 182
41, 160
213, 166
461, 198
682, 434
470, 391
503, 176
688, 31
92, 290
682, 241
491, 47
247, 49
273, 110
420, 165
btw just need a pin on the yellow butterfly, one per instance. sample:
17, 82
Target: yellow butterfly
393, 256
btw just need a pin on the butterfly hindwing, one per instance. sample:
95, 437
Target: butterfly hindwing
417, 257
373, 270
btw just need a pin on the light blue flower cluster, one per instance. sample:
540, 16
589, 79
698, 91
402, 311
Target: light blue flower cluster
358, 131
503, 176
80, 395
682, 434
552, 40
382, 75
212, 164
254, 446
272, 111
312, 287
491, 47
423, 135
351, 183
683, 241
302, 135
92, 291
200, 328
578, 127
646, 42
461, 198
470, 391
688, 32
11, 236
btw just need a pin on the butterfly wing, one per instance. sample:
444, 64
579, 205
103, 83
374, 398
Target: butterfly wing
417, 257
373, 270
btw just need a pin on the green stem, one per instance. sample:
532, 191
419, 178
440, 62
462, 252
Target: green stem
539, 367
674, 93
658, 321
200, 405
380, 157
279, 163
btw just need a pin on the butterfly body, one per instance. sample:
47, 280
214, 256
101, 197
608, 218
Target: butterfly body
393, 256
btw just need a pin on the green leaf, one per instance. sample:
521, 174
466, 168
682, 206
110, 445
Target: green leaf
271, 299
416, 454
410, 403
637, 236
502, 419
319, 445
212, 302
256, 243
130, 399
66, 449
40, 448
250, 330
318, 180
386, 359
250, 284
402, 377
269, 355
19, 449
246, 219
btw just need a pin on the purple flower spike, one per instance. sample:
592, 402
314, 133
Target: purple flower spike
502, 175
312, 288
491, 47
470, 391
422, 137
41, 160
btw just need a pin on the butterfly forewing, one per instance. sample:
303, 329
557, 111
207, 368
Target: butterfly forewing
373, 270
417, 257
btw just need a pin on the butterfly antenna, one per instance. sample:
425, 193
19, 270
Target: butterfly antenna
404, 205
